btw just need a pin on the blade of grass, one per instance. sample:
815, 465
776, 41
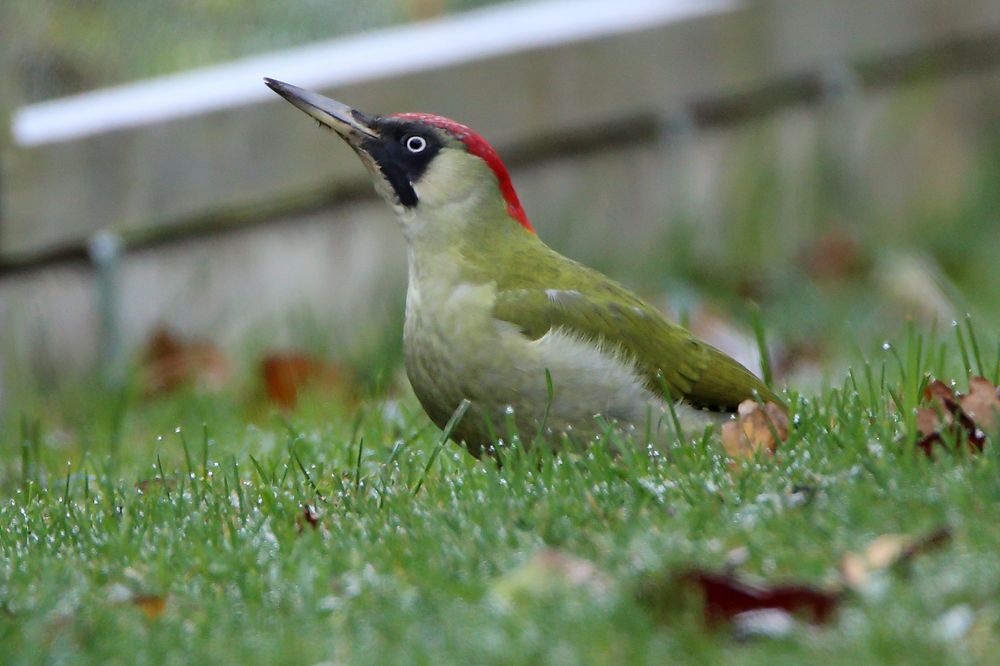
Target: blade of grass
163, 477
65, 498
453, 422
996, 367
549, 392
966, 364
239, 489
304, 471
260, 470
757, 322
975, 345
204, 450
357, 465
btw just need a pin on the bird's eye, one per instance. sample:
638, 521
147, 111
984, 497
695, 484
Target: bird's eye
415, 144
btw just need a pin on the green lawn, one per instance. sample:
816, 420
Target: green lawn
199, 528
206, 527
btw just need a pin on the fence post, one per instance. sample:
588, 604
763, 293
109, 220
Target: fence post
105, 249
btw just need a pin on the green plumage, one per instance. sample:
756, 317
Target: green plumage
492, 312
539, 289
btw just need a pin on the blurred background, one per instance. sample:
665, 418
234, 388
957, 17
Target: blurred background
832, 169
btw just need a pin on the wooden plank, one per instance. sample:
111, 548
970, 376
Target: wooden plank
152, 157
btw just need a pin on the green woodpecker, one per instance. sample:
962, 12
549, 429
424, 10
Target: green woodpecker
491, 309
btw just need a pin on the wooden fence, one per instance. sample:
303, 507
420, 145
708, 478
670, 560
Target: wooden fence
232, 209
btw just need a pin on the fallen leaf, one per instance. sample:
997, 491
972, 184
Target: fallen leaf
927, 420
770, 609
982, 403
833, 256
286, 375
754, 429
887, 551
151, 604
953, 417
725, 597
169, 363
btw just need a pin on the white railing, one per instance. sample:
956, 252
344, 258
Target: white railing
207, 147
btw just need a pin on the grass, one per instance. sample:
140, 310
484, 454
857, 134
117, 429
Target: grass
197, 528
210, 528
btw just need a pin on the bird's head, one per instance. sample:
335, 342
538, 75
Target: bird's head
433, 171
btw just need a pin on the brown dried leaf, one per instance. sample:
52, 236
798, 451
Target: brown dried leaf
938, 390
856, 568
754, 429
152, 605
286, 375
954, 416
170, 363
887, 551
982, 403
833, 256
928, 420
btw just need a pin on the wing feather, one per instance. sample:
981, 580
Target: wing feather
670, 358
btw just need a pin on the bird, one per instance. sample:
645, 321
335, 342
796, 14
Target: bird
498, 324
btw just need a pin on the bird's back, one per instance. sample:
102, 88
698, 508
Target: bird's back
569, 296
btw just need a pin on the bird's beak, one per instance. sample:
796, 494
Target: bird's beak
349, 123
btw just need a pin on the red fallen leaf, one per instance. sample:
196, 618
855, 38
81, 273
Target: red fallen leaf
170, 363
725, 597
287, 374
754, 429
958, 415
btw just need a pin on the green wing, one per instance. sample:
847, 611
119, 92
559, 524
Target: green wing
667, 355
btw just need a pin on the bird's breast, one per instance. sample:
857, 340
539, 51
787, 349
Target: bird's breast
455, 349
